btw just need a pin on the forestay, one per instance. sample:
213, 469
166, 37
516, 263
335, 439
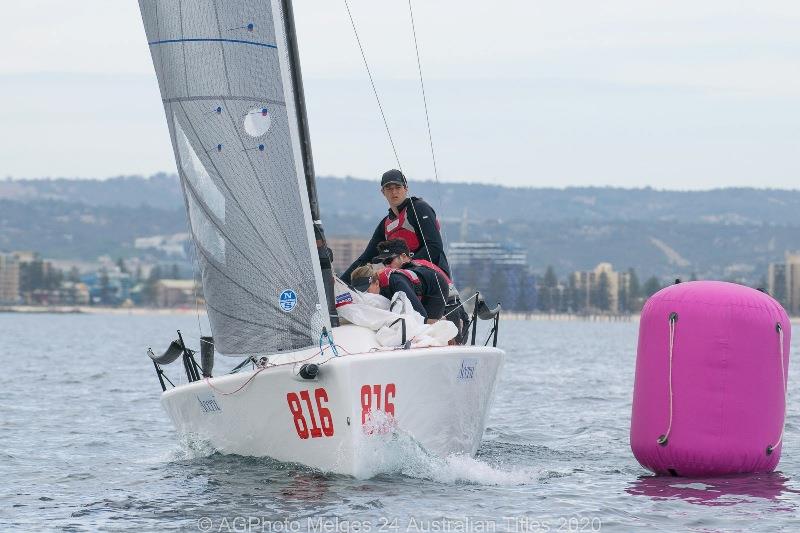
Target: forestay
224, 74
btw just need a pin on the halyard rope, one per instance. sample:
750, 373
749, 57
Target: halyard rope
386, 124
374, 89
424, 98
433, 154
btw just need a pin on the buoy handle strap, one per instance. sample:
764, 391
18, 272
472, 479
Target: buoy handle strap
779, 329
673, 318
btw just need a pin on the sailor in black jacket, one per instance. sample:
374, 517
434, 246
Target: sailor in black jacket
411, 219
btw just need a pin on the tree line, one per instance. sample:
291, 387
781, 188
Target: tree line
519, 290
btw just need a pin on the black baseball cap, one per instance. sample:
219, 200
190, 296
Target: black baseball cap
393, 176
391, 249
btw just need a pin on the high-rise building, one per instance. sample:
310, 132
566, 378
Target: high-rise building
9, 279
776, 283
345, 251
783, 282
591, 294
498, 270
464, 253
36, 277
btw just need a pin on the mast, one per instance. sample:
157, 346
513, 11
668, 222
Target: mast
325, 254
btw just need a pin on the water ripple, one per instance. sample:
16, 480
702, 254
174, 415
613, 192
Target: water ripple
89, 448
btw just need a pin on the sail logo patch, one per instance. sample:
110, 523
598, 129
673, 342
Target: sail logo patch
467, 370
344, 299
288, 300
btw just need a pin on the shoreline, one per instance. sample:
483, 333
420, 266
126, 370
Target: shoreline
141, 311
96, 310
558, 317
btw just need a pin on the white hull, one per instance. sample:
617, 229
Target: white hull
440, 398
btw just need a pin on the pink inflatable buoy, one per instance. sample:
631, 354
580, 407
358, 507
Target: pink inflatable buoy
709, 397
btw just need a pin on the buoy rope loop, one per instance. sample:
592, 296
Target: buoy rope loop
779, 329
673, 318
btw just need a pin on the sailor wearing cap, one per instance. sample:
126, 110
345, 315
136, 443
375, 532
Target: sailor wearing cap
378, 279
411, 219
393, 270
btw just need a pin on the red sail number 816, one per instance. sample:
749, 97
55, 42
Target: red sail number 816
325, 426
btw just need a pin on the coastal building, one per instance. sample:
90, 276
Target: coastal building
783, 282
175, 292
175, 245
74, 293
600, 288
345, 251
9, 279
37, 277
498, 270
109, 285
466, 253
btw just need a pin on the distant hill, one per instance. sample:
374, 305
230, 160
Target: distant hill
725, 233
71, 230
161, 191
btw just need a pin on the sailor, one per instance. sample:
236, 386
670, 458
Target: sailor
395, 255
411, 219
422, 291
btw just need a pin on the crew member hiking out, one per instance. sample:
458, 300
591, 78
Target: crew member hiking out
395, 255
422, 291
411, 219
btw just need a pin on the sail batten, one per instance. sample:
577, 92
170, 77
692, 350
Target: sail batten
221, 98
228, 95
211, 40
286, 261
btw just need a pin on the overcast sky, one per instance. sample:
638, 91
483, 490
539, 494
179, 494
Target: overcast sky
676, 95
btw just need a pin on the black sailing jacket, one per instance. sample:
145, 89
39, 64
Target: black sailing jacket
423, 219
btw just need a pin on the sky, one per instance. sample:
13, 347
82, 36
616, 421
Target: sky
671, 95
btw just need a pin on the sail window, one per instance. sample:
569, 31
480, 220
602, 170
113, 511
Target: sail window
198, 176
257, 122
205, 232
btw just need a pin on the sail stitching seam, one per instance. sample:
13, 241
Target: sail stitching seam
222, 48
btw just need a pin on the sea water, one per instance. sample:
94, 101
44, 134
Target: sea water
86, 446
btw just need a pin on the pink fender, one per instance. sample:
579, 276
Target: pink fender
728, 374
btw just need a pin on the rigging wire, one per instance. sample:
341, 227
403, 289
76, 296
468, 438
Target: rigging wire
374, 89
427, 117
433, 154
424, 97
385, 122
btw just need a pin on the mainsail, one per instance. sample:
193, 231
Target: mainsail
225, 76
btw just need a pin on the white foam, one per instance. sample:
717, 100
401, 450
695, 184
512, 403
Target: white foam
192, 447
386, 450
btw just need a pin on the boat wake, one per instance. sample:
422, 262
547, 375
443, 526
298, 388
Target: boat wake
384, 450
192, 446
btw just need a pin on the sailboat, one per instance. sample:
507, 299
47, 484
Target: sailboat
310, 389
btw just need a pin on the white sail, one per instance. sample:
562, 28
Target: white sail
225, 79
